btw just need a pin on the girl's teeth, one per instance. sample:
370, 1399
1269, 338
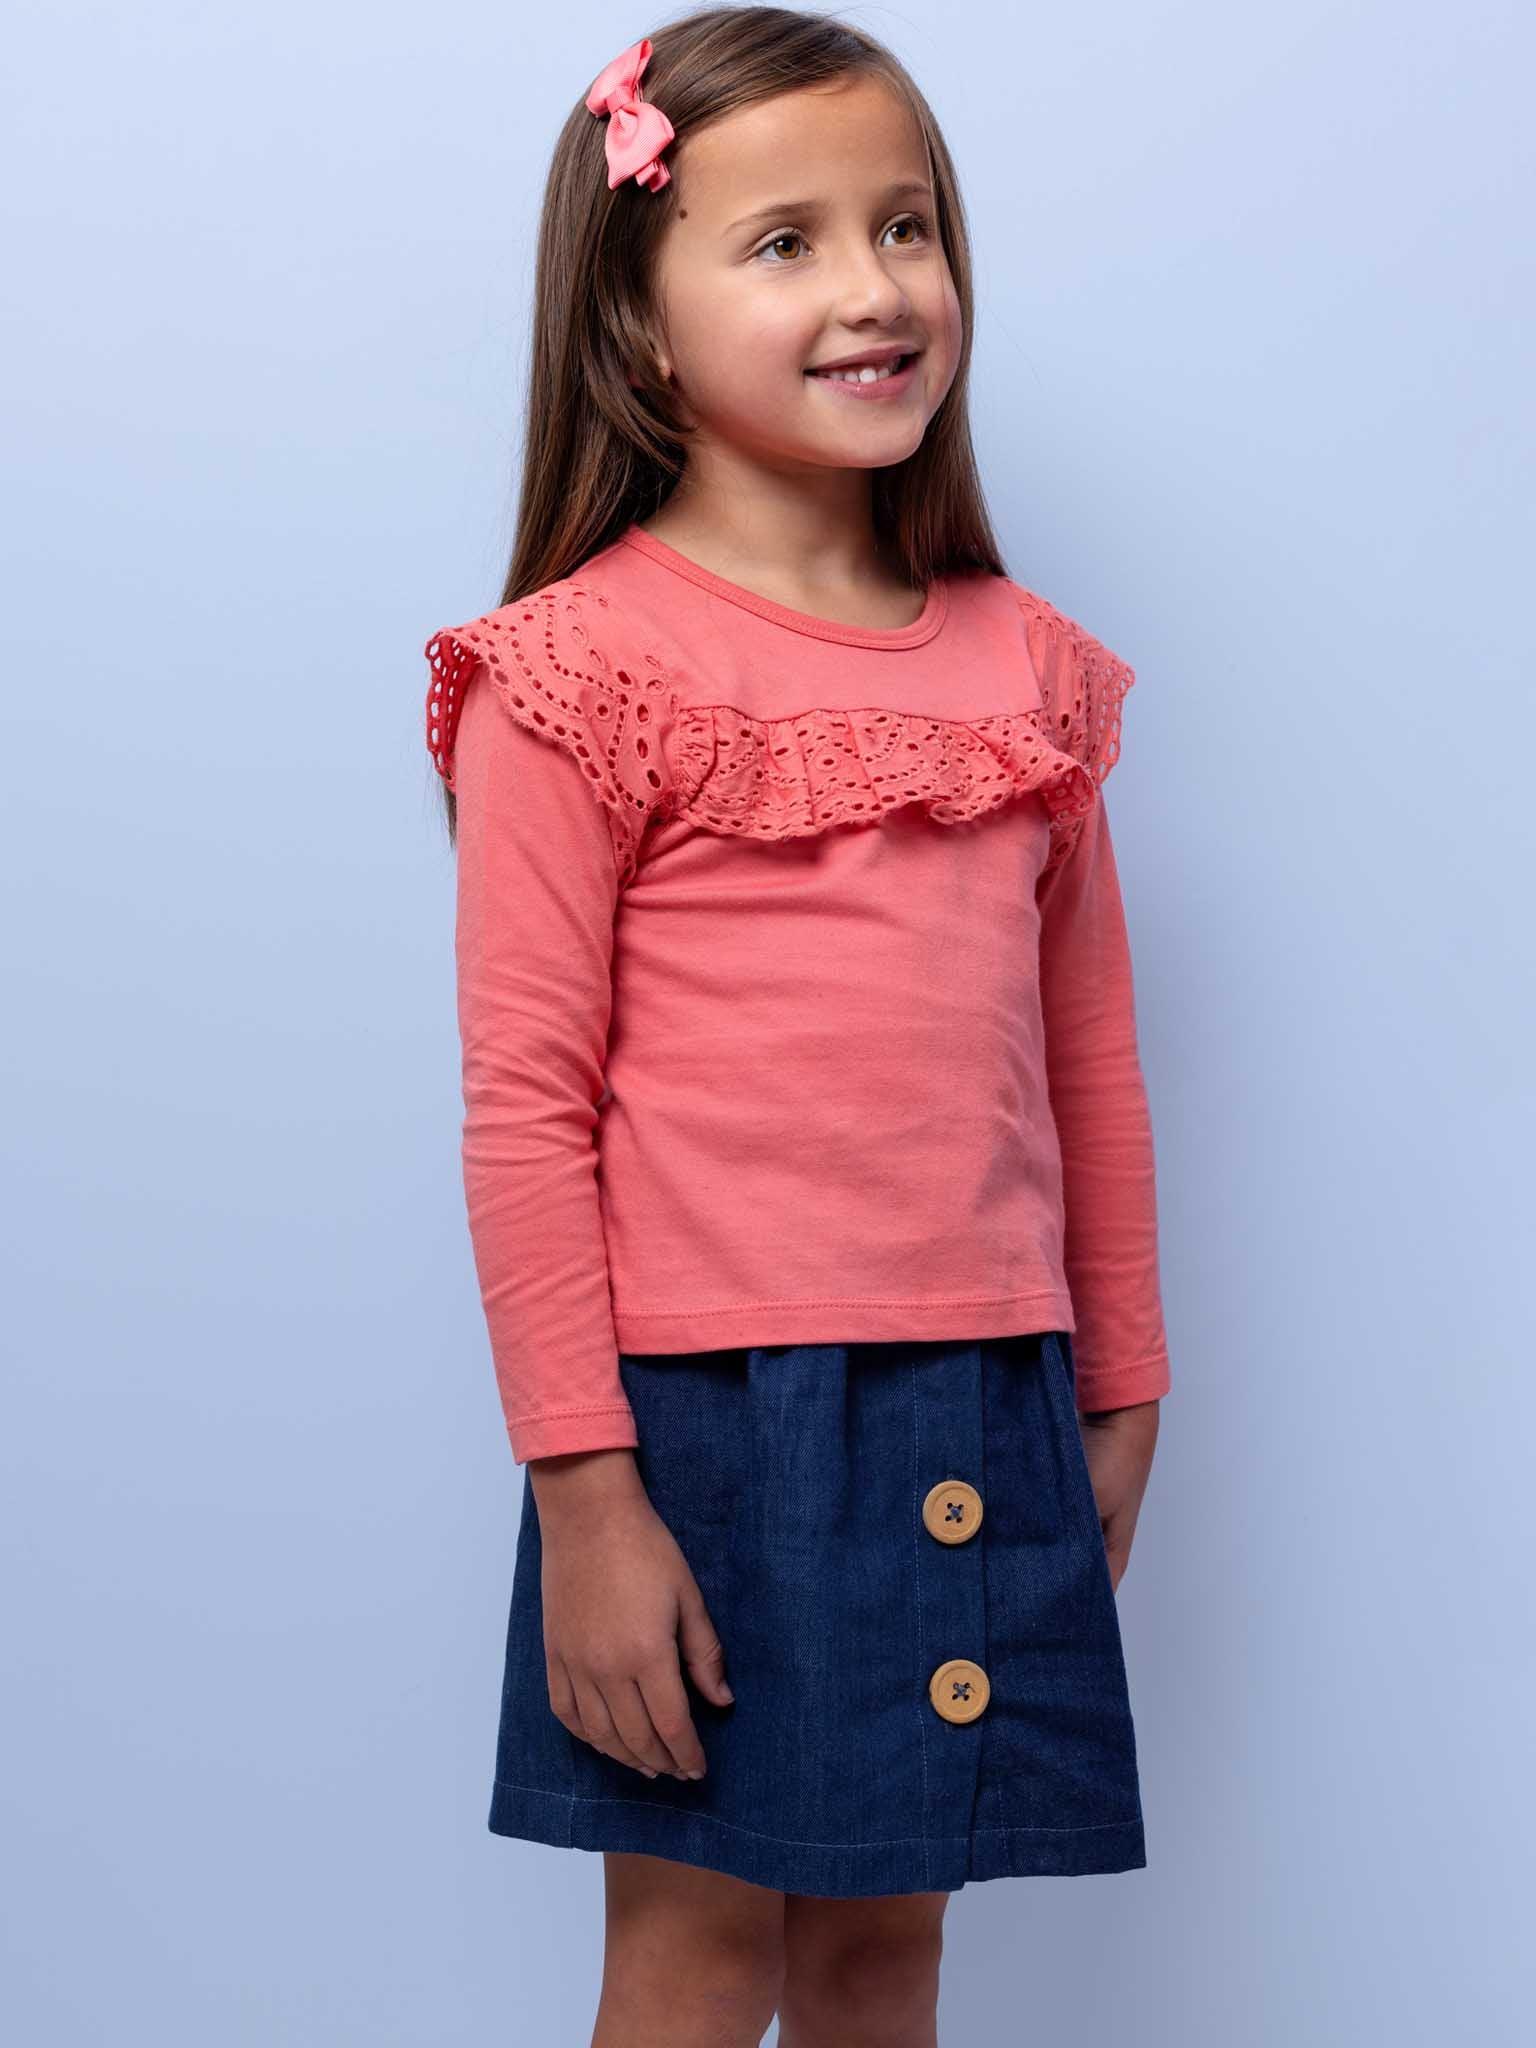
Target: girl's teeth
863, 375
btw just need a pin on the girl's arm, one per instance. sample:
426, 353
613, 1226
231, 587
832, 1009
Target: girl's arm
1099, 1102
537, 891
538, 886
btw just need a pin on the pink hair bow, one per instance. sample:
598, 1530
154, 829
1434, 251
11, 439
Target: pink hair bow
638, 131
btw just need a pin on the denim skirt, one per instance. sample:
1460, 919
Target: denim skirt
899, 1548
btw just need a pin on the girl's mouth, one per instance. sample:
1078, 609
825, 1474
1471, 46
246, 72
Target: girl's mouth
886, 382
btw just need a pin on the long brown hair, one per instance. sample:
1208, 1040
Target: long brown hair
603, 446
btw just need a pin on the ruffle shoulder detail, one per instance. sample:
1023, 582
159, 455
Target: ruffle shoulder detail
1083, 687
544, 657
649, 756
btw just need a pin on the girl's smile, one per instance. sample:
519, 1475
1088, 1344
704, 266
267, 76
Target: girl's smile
888, 378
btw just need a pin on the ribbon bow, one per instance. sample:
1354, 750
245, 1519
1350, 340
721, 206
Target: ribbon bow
638, 131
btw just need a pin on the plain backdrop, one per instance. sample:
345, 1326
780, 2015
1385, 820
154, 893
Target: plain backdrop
1253, 397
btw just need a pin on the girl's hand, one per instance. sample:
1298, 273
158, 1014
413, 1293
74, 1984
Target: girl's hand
1119, 1443
623, 1616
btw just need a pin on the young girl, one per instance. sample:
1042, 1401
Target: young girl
807, 1158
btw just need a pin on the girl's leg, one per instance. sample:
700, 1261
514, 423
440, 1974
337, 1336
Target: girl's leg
862, 1973
691, 1958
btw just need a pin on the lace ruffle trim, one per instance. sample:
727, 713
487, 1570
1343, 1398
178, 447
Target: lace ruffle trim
648, 756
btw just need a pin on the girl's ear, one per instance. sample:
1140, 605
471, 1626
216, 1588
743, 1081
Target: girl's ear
655, 346
655, 355
653, 340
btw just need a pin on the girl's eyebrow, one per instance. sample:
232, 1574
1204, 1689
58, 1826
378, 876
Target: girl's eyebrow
809, 209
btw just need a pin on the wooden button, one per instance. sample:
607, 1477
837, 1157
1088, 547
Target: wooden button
952, 1511
959, 1689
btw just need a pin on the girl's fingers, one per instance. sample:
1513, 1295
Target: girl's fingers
596, 1721
562, 1695
620, 1720
562, 1698
699, 1646
630, 1707
666, 1706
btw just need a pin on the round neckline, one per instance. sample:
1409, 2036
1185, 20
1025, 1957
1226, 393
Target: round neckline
922, 628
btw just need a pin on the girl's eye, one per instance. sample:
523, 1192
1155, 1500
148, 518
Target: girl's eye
913, 220
908, 220
787, 235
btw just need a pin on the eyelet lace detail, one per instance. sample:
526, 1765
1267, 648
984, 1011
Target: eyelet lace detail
648, 756
1084, 688
545, 669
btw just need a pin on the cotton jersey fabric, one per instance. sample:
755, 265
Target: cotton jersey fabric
794, 986
793, 1478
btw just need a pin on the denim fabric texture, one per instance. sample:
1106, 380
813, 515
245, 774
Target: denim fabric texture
793, 1477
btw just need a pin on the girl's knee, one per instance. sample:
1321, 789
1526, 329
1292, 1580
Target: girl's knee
700, 1989
693, 1943
867, 1968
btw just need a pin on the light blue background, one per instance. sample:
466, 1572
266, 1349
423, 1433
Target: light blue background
1253, 394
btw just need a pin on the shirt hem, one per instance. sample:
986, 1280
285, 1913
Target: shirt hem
840, 1320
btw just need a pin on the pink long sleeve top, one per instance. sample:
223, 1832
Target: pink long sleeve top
794, 987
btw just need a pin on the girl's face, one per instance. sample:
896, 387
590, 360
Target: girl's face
804, 234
